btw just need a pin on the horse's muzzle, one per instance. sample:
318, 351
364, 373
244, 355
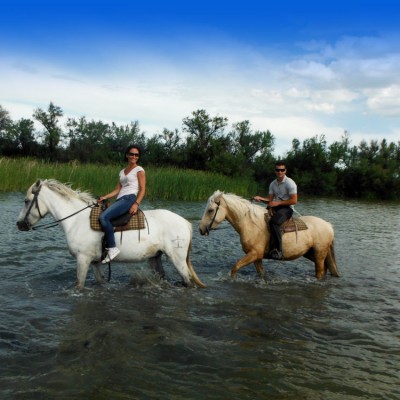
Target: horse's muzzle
204, 232
23, 225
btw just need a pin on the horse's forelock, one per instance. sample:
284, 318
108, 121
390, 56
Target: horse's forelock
214, 197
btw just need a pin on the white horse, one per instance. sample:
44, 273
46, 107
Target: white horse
166, 232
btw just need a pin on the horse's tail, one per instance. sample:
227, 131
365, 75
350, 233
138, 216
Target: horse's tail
330, 261
195, 278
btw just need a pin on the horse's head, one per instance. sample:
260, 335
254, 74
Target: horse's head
33, 209
214, 213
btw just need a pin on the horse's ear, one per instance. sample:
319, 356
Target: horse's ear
218, 198
36, 186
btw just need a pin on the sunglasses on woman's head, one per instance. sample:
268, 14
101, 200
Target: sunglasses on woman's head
133, 154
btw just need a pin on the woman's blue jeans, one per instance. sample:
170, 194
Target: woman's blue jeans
118, 208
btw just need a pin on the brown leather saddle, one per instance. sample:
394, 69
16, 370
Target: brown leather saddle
293, 224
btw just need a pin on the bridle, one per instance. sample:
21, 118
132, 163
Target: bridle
213, 218
35, 202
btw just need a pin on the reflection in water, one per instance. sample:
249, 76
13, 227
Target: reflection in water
285, 336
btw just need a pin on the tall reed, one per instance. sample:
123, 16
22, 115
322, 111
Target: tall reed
16, 175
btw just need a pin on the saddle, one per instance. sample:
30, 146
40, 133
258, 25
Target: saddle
293, 224
125, 222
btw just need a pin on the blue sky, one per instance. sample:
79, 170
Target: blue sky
295, 68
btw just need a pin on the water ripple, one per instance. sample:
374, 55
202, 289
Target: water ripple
283, 336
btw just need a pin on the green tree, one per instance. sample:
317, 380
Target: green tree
25, 135
252, 151
121, 137
6, 140
339, 152
5, 120
165, 149
311, 168
53, 133
201, 130
86, 140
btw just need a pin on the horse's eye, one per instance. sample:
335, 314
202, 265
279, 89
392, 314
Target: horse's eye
27, 201
210, 211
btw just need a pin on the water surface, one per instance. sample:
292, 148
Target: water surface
286, 336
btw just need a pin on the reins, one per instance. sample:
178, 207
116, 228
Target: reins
34, 201
215, 215
55, 223
49, 224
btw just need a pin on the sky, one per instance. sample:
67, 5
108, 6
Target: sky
296, 68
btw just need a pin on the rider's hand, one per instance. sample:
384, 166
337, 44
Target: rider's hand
133, 210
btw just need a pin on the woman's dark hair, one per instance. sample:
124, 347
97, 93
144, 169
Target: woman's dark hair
132, 146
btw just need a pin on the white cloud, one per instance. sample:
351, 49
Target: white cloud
385, 101
310, 70
316, 93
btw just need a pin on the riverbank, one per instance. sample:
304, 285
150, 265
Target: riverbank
16, 175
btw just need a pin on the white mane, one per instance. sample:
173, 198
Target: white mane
66, 191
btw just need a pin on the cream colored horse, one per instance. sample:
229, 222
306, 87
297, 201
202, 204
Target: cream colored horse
315, 243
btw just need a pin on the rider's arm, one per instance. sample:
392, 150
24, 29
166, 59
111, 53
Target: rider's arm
263, 199
142, 190
290, 202
111, 194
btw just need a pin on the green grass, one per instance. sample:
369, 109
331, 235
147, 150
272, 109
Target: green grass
16, 175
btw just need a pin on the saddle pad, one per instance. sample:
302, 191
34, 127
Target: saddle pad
293, 224
136, 222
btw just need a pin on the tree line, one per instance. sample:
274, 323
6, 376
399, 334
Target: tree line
210, 143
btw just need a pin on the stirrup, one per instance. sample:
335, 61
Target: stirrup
275, 254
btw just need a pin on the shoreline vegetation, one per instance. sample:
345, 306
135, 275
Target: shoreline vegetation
164, 183
208, 153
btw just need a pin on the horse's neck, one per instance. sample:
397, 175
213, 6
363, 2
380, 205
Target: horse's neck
238, 219
60, 207
242, 221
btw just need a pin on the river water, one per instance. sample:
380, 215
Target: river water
286, 336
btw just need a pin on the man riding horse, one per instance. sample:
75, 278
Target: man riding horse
282, 196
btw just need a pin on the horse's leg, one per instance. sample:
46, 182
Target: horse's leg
330, 262
246, 260
156, 265
83, 263
319, 262
98, 272
179, 260
259, 267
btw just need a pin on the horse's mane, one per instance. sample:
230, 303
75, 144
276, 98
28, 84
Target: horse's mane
239, 205
65, 190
